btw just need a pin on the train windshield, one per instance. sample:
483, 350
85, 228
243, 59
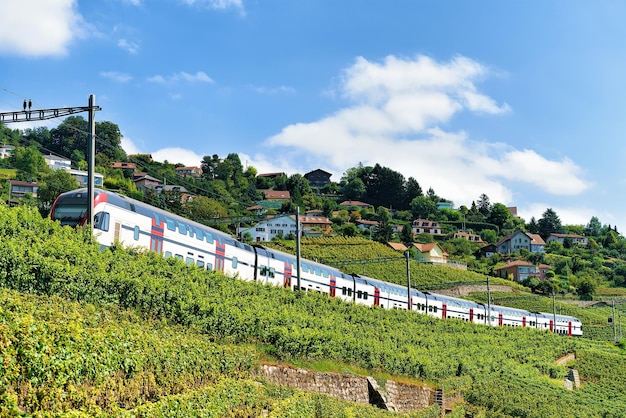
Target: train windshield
70, 211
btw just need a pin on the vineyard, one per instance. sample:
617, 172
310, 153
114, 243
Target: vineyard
124, 332
356, 255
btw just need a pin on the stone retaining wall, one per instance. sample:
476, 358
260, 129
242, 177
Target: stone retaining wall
394, 396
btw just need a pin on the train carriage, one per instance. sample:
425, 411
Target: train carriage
119, 219
387, 295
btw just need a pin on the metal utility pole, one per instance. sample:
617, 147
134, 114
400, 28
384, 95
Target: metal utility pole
298, 246
553, 313
408, 278
29, 115
92, 159
614, 323
488, 302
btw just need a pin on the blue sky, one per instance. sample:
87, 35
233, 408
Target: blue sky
520, 100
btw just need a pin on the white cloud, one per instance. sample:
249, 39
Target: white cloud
394, 115
273, 90
198, 77
130, 47
116, 76
39, 27
218, 4
567, 215
176, 155
129, 146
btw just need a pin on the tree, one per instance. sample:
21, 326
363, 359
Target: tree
586, 288
406, 236
29, 162
413, 190
532, 226
52, 184
549, 223
203, 208
209, 166
499, 215
355, 189
594, 227
483, 205
423, 207
384, 232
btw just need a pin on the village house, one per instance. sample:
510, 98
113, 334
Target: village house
425, 226
514, 242
574, 238
519, 270
19, 189
285, 225
431, 253
468, 236
354, 204
194, 172
318, 178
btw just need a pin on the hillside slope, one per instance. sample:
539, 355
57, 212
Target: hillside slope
491, 366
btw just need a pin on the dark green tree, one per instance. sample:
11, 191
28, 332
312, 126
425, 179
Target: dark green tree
51, 185
406, 235
384, 231
422, 207
29, 162
483, 205
355, 189
549, 223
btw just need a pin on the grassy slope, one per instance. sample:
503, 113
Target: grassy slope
490, 365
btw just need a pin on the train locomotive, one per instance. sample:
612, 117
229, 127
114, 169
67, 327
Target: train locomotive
120, 219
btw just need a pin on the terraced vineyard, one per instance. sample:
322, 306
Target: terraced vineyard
125, 333
361, 256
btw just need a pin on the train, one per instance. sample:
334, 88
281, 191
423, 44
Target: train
132, 223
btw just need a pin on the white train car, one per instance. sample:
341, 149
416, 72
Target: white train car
120, 219
387, 295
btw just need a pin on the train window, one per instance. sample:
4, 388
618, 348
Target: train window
182, 228
168, 254
189, 260
344, 291
101, 221
208, 237
136, 234
199, 234
234, 262
359, 294
263, 270
209, 266
365, 295
180, 257
318, 272
349, 292
430, 309
434, 309
171, 225
200, 263
157, 220
272, 272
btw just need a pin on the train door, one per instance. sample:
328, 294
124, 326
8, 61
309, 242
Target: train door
471, 313
444, 310
500, 319
288, 273
376, 296
220, 255
569, 329
551, 325
333, 285
156, 236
